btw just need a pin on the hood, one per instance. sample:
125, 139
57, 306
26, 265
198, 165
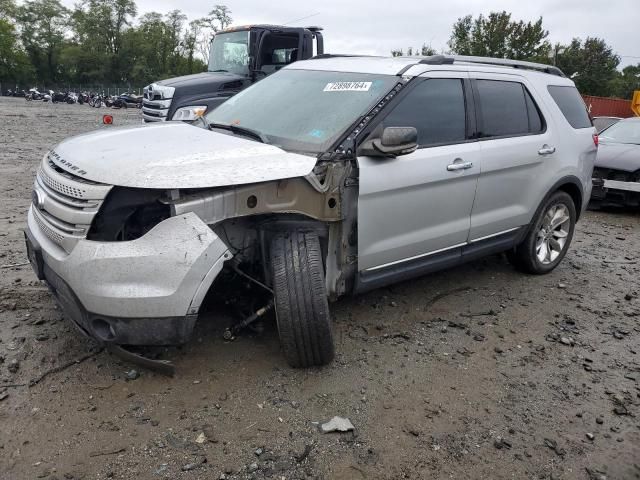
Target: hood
201, 79
618, 156
175, 155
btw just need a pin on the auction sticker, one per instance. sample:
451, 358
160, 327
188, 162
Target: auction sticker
347, 87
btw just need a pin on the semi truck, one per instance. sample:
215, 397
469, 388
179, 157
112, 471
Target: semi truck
238, 57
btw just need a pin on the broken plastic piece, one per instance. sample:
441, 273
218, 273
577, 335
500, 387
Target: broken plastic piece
164, 367
337, 424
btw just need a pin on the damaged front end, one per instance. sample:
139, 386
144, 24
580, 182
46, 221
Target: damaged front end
146, 291
615, 188
138, 267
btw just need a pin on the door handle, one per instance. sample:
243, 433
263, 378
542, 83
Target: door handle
459, 166
546, 150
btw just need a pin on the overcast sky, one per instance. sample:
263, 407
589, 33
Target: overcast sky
370, 27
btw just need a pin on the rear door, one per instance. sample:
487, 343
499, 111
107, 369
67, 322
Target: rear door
420, 204
517, 150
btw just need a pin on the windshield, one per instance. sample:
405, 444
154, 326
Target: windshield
303, 110
229, 52
622, 132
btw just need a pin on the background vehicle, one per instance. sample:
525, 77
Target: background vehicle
34, 94
604, 122
381, 170
64, 97
616, 176
239, 57
131, 100
97, 100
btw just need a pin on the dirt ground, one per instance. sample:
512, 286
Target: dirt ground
474, 373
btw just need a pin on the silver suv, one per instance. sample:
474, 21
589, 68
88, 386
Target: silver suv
334, 176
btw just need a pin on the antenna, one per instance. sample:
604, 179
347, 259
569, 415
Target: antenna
303, 18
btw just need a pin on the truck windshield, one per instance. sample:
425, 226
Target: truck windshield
229, 52
303, 110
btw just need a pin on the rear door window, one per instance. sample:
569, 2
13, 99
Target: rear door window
436, 108
571, 105
503, 109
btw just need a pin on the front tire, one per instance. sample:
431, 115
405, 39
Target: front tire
549, 237
302, 309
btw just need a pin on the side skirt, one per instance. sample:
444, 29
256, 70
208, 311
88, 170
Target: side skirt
372, 279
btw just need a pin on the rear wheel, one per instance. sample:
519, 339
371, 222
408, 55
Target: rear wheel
302, 309
549, 238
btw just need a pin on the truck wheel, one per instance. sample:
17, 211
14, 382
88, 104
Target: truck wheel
302, 309
549, 238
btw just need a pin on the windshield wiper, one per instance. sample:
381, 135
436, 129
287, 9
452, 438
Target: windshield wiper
247, 132
219, 70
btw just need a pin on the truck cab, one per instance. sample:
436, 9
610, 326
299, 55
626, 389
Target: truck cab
238, 57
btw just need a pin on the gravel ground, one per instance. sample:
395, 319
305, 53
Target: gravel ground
477, 372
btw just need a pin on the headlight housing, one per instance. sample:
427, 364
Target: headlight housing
185, 114
128, 214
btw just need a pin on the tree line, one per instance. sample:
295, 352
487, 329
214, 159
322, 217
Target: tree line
105, 42
591, 63
101, 42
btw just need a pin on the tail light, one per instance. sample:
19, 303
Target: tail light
596, 140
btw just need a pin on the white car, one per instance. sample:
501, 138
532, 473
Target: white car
335, 175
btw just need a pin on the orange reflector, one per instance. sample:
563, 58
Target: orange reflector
107, 119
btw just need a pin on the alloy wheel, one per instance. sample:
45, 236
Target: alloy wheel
552, 236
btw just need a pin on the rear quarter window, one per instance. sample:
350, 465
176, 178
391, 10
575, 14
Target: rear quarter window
571, 105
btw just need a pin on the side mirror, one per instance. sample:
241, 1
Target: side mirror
393, 142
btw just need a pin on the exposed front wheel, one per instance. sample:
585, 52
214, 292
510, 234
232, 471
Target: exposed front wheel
549, 238
302, 309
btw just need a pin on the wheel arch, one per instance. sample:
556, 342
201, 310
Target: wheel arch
571, 185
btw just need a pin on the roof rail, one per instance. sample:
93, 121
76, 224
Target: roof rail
338, 55
501, 62
505, 62
436, 60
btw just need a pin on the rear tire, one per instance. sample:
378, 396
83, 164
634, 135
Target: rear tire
549, 237
302, 309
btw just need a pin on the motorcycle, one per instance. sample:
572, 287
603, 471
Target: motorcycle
131, 100
96, 101
83, 98
34, 94
64, 97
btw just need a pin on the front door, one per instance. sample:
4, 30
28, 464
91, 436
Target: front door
417, 205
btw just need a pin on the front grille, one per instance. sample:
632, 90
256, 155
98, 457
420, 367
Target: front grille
64, 205
155, 108
155, 111
70, 191
49, 232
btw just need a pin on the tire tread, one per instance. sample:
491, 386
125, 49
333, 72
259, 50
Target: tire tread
302, 309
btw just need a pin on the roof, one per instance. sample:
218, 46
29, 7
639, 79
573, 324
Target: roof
413, 66
264, 26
